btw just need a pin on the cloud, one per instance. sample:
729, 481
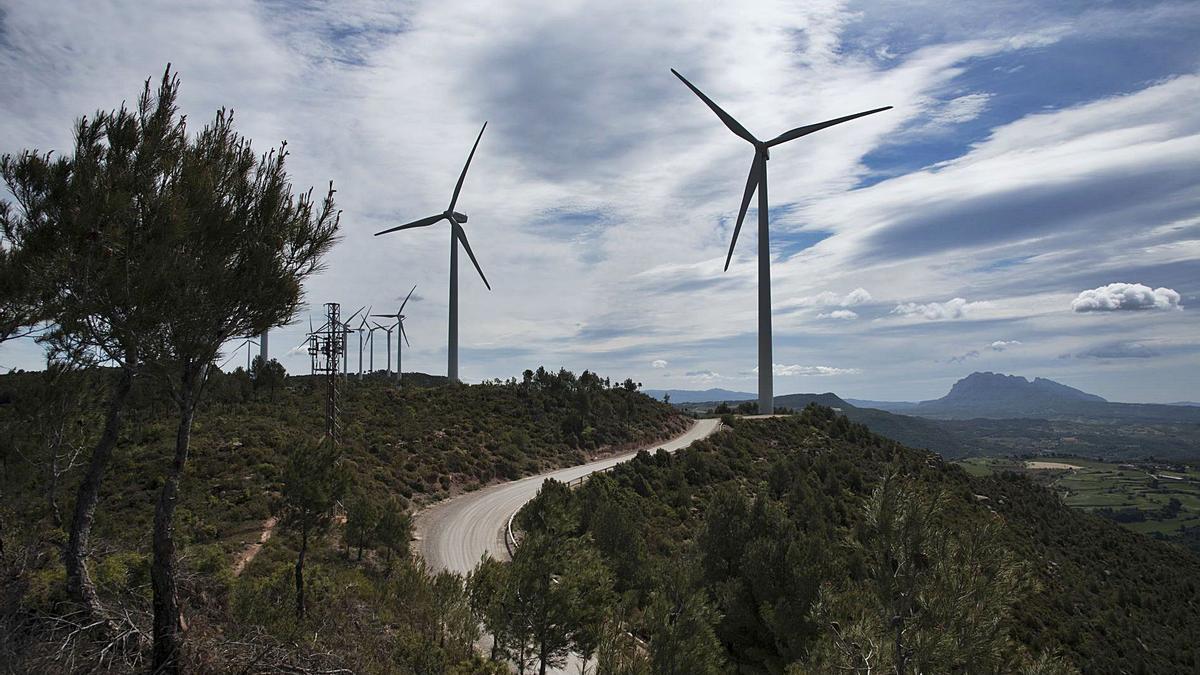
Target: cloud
703, 375
1122, 296
973, 354
658, 363
842, 314
1001, 345
783, 370
855, 297
1119, 350
961, 109
955, 308
1049, 188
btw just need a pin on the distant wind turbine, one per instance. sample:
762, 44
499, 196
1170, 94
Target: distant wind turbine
758, 180
399, 317
362, 324
247, 342
388, 330
457, 235
346, 331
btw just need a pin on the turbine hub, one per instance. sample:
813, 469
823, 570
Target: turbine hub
457, 217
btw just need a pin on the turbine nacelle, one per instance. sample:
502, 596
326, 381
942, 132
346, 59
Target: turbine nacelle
455, 216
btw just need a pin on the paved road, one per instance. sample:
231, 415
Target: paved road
455, 533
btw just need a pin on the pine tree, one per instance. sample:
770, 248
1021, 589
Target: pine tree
394, 530
362, 519
313, 482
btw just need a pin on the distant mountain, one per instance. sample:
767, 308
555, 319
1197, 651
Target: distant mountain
892, 406
695, 396
1189, 404
999, 396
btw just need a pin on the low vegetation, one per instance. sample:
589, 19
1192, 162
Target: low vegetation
401, 447
808, 544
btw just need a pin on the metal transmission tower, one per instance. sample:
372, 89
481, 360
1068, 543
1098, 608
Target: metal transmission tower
326, 348
757, 180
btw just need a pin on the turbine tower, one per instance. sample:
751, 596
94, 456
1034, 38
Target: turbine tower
399, 317
758, 181
457, 235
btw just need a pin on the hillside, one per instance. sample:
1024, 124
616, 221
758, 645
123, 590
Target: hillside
915, 432
793, 543
402, 447
912, 431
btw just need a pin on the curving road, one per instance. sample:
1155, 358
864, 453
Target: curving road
455, 533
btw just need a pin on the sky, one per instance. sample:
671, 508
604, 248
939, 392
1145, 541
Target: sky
1030, 205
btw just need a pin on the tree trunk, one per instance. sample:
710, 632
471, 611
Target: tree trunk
300, 610
79, 582
542, 658
168, 626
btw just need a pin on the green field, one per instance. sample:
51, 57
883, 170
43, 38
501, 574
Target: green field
1139, 496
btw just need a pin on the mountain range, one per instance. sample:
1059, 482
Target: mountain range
997, 414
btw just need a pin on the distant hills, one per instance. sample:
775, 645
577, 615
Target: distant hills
994, 414
916, 432
705, 396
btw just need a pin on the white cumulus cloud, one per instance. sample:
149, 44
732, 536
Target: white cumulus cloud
1001, 345
955, 308
857, 296
785, 370
842, 314
658, 363
1123, 296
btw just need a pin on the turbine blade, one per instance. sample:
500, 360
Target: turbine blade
462, 237
347, 321
405, 334
733, 124
806, 130
401, 310
363, 321
751, 186
463, 175
416, 223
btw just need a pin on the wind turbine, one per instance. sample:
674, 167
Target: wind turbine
247, 341
371, 347
399, 317
758, 180
388, 330
346, 331
457, 235
361, 325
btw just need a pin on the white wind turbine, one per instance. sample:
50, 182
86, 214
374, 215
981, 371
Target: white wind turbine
399, 317
457, 236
